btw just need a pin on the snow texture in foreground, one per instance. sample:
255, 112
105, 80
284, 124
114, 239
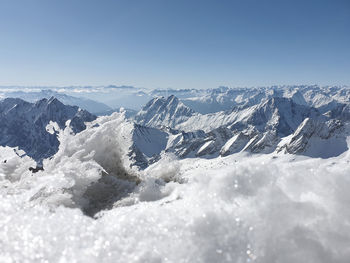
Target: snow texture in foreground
233, 209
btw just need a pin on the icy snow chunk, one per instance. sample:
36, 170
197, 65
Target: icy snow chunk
53, 127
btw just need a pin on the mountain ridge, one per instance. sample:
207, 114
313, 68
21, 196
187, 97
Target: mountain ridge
24, 124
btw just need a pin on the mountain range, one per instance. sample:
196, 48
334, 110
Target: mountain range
90, 105
301, 120
297, 120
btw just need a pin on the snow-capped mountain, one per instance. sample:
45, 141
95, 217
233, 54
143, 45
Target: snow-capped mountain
280, 114
259, 120
317, 139
260, 128
162, 111
203, 101
222, 99
33, 127
92, 106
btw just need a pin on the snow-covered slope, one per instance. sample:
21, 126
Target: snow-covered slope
279, 114
162, 111
257, 129
318, 139
34, 127
222, 99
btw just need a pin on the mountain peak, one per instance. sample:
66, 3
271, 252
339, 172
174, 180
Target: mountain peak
54, 100
172, 98
281, 114
164, 112
19, 119
277, 101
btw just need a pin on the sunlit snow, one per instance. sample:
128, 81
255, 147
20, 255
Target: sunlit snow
90, 206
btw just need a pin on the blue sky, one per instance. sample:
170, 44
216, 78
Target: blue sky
177, 44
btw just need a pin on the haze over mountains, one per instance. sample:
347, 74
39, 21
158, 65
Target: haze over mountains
33, 95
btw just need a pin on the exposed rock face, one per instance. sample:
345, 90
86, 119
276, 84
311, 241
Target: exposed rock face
24, 124
313, 134
256, 129
235, 144
281, 115
163, 112
147, 144
185, 144
341, 111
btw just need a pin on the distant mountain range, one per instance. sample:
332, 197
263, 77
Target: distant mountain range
304, 120
92, 106
200, 100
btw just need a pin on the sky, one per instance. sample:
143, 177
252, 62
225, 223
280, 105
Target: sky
174, 44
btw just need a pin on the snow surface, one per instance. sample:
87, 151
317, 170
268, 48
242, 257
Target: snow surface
240, 208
